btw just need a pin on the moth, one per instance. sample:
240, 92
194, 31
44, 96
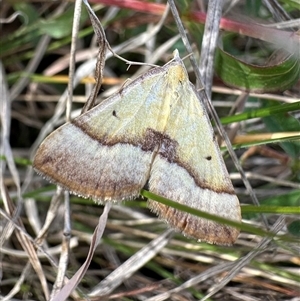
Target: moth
154, 131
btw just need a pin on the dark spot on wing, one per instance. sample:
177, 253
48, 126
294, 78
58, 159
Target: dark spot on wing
161, 142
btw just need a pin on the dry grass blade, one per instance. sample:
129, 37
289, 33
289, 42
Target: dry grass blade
75, 29
133, 264
209, 45
64, 293
242, 262
65, 247
27, 245
103, 45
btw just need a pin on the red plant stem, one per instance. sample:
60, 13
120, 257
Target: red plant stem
287, 40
